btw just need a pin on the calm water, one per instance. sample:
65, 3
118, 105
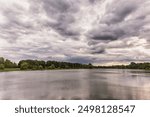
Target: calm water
75, 84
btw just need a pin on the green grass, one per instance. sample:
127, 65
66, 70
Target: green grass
10, 69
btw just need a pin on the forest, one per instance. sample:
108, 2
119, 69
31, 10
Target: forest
49, 65
132, 65
41, 65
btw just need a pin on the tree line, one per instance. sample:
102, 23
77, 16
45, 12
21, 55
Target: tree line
5, 63
41, 65
132, 65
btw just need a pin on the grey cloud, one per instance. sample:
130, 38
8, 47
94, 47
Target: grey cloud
15, 27
98, 51
106, 33
115, 27
63, 29
93, 1
79, 59
63, 14
119, 10
58, 6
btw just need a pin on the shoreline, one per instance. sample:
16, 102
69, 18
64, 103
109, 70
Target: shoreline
18, 69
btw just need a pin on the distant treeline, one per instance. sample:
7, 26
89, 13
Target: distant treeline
132, 65
39, 65
43, 65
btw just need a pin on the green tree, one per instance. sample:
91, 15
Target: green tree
9, 64
52, 67
34, 67
90, 66
2, 66
40, 67
2, 60
24, 66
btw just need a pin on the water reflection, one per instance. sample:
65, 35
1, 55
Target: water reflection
76, 84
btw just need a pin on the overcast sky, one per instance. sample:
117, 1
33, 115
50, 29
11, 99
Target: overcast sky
96, 31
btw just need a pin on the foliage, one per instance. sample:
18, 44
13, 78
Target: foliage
24, 66
2, 66
139, 65
38, 65
132, 65
2, 61
90, 66
7, 63
51, 67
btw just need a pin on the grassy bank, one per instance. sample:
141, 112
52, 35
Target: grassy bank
18, 69
10, 69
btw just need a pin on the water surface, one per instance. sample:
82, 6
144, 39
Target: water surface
75, 84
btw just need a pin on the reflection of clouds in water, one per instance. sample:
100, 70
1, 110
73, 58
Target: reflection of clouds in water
104, 90
125, 77
44, 85
75, 84
125, 85
67, 89
128, 92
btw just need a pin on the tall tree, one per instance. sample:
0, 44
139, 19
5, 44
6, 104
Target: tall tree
2, 60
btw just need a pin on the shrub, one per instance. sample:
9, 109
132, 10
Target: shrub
24, 66
2, 66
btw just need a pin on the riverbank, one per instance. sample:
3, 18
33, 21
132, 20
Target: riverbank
18, 69
10, 69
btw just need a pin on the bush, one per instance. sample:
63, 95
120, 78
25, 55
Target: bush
2, 67
40, 67
24, 66
52, 67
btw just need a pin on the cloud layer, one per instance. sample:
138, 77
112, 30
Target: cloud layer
97, 31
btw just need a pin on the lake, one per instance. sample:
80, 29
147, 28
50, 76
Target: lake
87, 84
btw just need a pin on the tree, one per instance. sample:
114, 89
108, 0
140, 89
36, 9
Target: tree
34, 67
2, 60
15, 65
90, 66
9, 64
40, 67
41, 64
2, 66
24, 66
52, 67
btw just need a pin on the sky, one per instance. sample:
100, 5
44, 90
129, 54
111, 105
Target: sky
102, 32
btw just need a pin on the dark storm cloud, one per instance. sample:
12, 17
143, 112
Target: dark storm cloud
63, 29
106, 33
80, 59
62, 14
93, 1
15, 27
113, 26
119, 10
97, 50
